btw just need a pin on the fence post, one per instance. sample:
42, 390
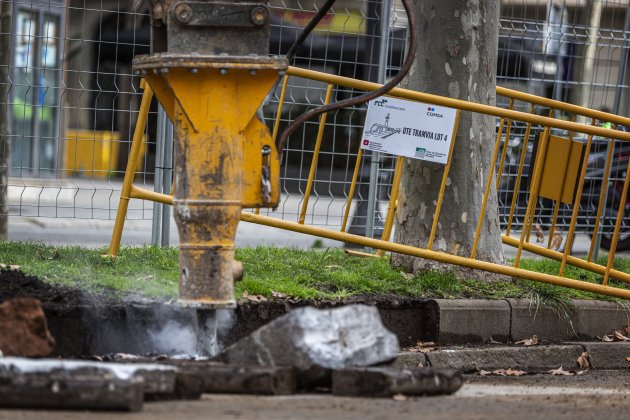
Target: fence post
375, 160
167, 170
623, 62
156, 225
6, 29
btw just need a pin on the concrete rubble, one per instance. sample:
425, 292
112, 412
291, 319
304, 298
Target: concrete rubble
387, 381
73, 384
24, 330
314, 341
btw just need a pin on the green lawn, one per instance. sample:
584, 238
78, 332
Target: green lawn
319, 274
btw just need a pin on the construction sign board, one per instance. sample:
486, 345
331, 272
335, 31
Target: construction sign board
407, 128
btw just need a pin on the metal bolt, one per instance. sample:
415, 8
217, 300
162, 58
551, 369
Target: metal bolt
223, 72
266, 150
183, 13
194, 70
259, 15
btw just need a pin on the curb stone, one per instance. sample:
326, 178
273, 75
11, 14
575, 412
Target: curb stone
601, 356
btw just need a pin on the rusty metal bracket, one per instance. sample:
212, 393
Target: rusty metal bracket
219, 14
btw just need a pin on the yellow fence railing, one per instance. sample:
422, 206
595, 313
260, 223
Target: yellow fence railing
563, 149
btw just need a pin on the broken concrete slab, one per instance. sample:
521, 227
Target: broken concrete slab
233, 379
503, 357
608, 355
388, 381
157, 379
24, 386
24, 330
463, 321
317, 340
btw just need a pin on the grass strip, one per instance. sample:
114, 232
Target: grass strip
302, 274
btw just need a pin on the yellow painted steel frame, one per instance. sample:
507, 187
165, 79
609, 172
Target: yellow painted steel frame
507, 119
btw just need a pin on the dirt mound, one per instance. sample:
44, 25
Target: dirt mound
16, 284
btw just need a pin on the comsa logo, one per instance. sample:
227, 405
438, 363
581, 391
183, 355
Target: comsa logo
431, 113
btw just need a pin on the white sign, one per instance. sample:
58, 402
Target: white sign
411, 129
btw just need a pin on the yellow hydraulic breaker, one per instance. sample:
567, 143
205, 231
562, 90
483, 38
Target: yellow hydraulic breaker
210, 70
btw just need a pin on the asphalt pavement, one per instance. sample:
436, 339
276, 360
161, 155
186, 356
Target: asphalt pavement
595, 394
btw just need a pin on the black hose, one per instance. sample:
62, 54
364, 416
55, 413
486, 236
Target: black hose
308, 29
366, 96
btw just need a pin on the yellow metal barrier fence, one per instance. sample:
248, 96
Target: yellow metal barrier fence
560, 155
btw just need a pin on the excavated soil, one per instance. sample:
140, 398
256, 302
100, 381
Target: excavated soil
99, 323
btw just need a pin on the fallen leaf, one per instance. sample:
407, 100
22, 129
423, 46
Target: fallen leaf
561, 372
556, 241
493, 341
582, 360
618, 336
278, 295
508, 372
400, 397
515, 372
485, 372
423, 346
530, 341
605, 338
580, 372
420, 365
540, 234
625, 331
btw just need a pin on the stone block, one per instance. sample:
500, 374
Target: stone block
314, 341
608, 355
463, 321
388, 381
503, 357
530, 318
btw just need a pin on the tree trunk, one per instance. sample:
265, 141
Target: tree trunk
456, 57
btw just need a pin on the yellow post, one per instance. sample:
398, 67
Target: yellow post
318, 144
393, 203
130, 171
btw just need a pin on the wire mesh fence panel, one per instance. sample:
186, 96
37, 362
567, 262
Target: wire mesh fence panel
73, 100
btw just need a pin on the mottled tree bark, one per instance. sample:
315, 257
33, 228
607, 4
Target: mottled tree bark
456, 57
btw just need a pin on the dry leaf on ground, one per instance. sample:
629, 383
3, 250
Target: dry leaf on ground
503, 372
400, 397
493, 341
583, 360
278, 295
561, 371
530, 341
606, 338
423, 346
580, 372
